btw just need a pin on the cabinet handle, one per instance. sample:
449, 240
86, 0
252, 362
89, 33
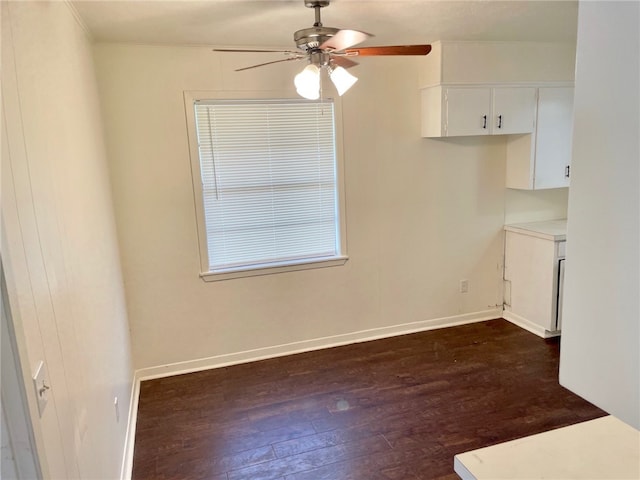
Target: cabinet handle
567, 171
499, 121
484, 121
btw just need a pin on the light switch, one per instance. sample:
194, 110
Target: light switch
42, 386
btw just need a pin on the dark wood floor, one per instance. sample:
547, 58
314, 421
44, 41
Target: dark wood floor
393, 409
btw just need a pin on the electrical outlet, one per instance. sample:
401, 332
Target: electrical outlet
464, 286
117, 408
42, 386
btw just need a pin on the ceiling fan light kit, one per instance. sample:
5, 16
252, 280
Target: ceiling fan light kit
330, 49
307, 82
342, 79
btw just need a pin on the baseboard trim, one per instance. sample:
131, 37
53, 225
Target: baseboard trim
129, 439
279, 351
528, 325
314, 344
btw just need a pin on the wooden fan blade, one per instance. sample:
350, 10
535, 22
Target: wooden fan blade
239, 50
343, 62
269, 63
345, 39
390, 50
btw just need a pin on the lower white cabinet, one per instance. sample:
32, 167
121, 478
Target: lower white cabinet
543, 159
533, 267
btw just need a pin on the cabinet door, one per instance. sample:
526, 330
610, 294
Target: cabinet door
467, 111
514, 110
553, 138
529, 266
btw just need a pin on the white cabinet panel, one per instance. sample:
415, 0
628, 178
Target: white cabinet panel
553, 137
529, 268
532, 277
467, 111
541, 160
513, 110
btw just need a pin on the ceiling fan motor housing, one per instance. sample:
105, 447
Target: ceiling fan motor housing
311, 38
316, 3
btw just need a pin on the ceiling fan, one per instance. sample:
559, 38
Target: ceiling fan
331, 49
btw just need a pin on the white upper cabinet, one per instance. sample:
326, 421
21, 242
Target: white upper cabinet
453, 111
542, 160
466, 112
514, 110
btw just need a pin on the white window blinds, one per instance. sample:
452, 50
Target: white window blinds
268, 171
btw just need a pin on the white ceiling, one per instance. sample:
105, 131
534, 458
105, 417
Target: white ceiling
271, 23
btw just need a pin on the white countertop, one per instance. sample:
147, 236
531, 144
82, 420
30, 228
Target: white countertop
605, 448
554, 230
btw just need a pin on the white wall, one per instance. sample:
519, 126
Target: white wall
456, 62
535, 205
469, 62
600, 356
421, 214
59, 246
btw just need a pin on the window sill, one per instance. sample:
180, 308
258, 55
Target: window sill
268, 270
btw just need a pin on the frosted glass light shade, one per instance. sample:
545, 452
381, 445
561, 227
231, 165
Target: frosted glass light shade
307, 82
342, 79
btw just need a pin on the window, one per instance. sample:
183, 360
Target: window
268, 175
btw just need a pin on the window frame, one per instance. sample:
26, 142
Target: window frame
190, 97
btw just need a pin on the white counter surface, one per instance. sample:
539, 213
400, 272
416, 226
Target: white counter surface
554, 230
605, 448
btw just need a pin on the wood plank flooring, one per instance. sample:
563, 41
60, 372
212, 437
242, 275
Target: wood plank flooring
392, 409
